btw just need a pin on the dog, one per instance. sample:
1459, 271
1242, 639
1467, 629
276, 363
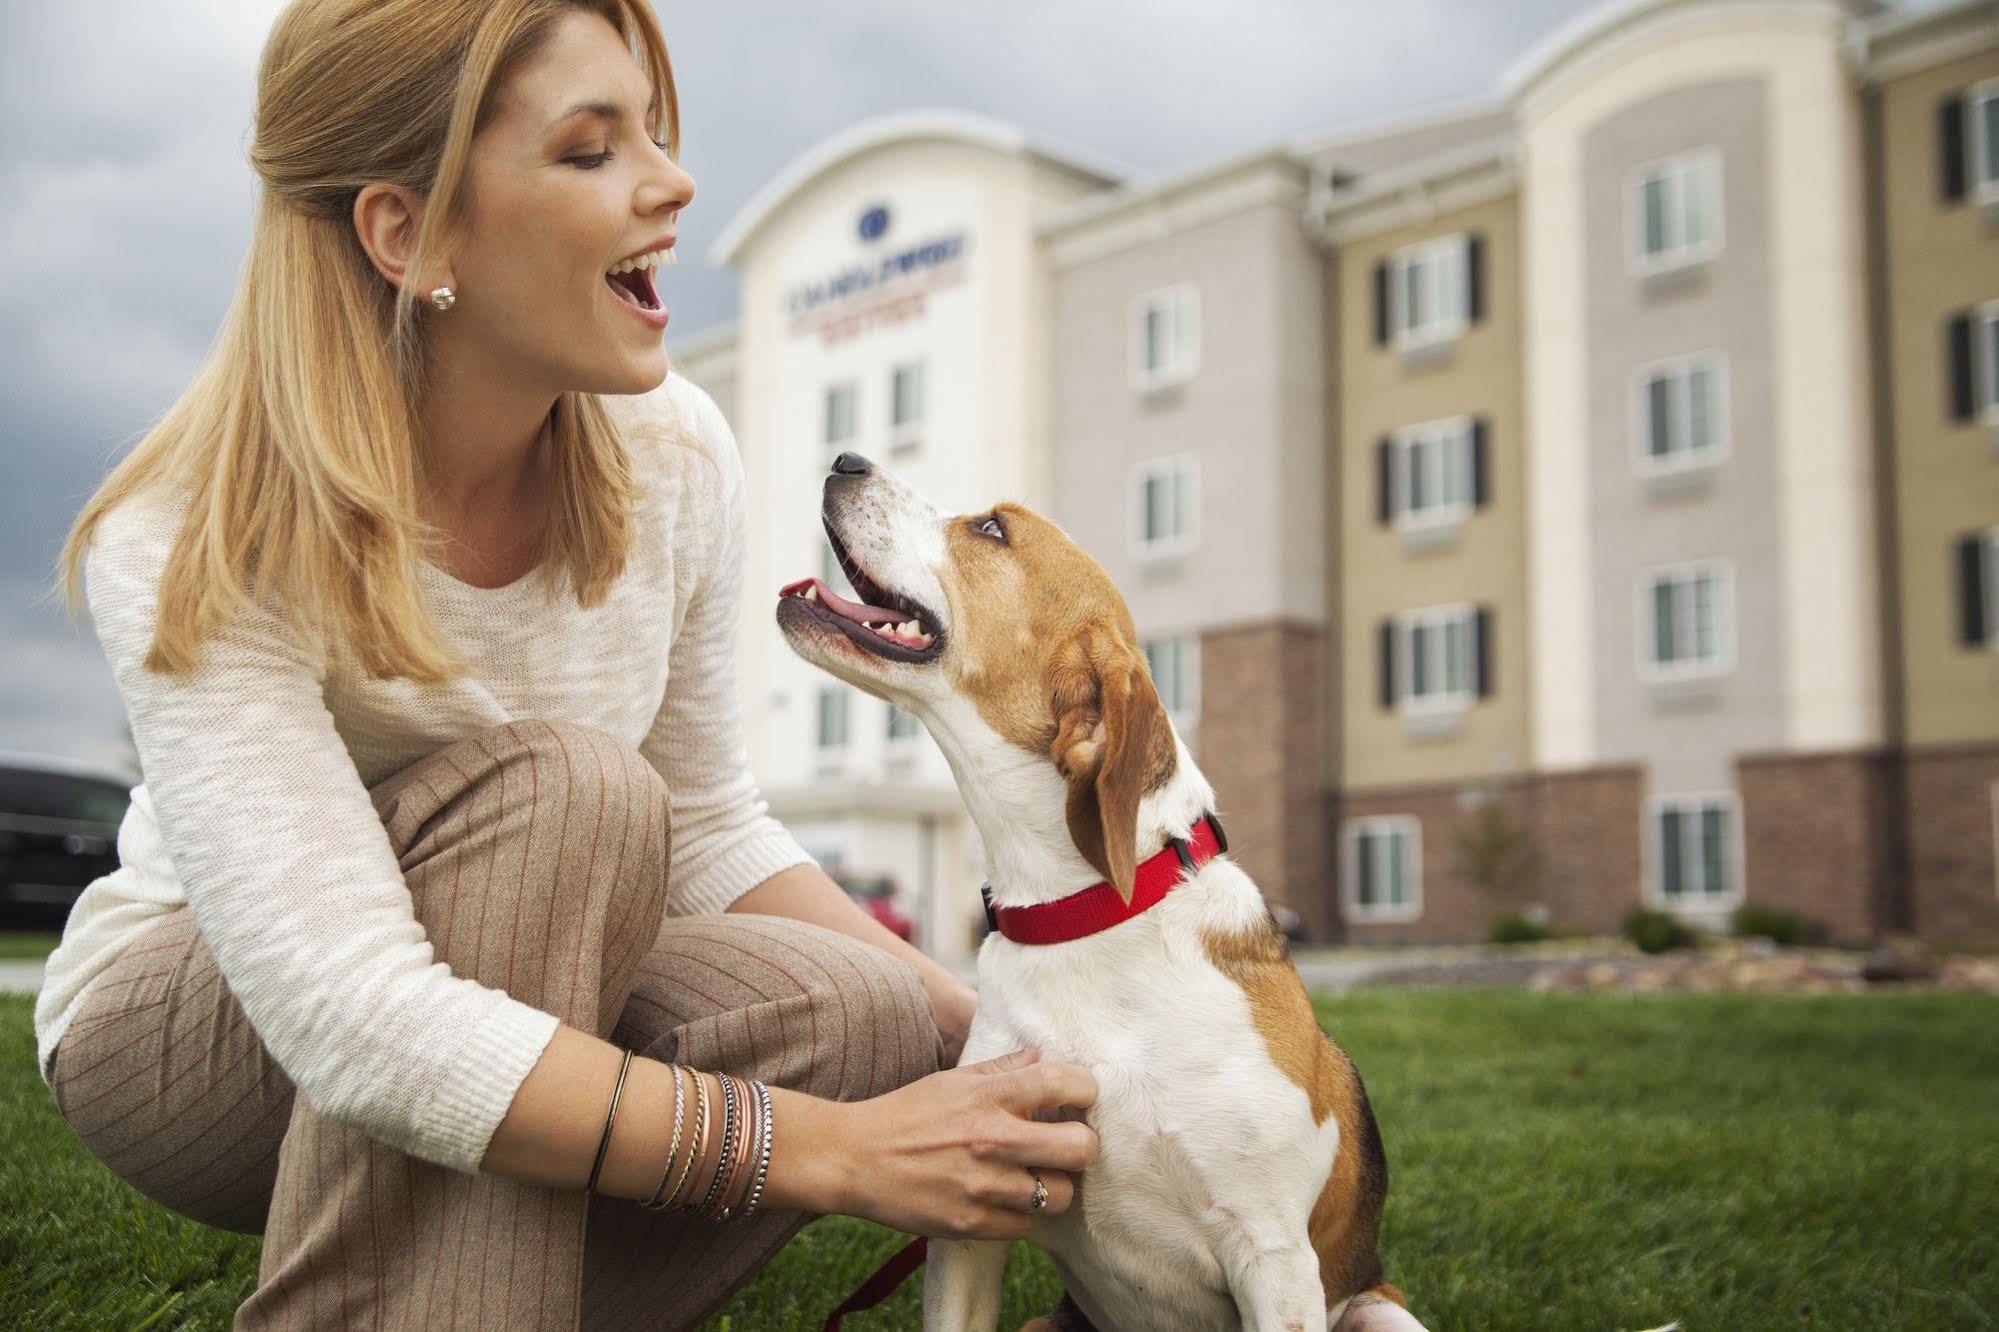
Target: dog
1240, 1176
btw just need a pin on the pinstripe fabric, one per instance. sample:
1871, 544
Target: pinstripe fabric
536, 855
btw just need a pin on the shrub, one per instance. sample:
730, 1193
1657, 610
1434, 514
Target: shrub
1784, 927
1513, 927
1656, 931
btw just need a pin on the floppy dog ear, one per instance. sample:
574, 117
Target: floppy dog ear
1111, 735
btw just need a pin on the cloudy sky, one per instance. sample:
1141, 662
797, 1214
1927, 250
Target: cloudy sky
127, 199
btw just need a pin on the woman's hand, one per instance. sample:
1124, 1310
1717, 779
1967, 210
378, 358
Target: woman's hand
949, 1155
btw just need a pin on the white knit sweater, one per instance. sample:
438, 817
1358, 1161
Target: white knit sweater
255, 812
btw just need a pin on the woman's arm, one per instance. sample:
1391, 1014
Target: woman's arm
807, 893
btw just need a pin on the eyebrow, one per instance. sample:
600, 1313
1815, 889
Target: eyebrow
611, 111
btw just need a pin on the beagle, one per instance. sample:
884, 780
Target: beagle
1240, 1176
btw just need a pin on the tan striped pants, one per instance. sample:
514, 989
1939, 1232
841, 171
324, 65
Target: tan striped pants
536, 855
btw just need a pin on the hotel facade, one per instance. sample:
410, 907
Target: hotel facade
1582, 500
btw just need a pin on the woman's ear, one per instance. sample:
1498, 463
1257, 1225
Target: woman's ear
1112, 744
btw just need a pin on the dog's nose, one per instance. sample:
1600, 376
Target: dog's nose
852, 464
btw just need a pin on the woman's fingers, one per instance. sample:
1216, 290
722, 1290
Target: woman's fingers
1006, 1063
1012, 1190
1047, 1085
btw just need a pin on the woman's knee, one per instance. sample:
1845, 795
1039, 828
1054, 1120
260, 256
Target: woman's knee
888, 1017
598, 772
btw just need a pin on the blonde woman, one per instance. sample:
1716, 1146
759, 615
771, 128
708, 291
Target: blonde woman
451, 947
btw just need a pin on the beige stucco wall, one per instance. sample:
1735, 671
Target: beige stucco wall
1940, 258
1485, 563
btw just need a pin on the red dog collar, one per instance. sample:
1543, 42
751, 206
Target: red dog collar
1099, 906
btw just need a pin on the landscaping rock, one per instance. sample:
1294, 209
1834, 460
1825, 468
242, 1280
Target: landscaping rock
1899, 958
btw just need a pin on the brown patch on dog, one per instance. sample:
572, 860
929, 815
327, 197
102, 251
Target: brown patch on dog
1345, 1223
1045, 649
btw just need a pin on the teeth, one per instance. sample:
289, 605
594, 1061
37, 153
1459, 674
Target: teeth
654, 260
884, 631
924, 639
812, 592
907, 627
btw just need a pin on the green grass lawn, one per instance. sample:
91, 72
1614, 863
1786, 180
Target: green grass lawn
32, 945
1584, 1161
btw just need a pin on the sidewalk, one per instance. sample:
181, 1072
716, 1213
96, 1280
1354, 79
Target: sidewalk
20, 977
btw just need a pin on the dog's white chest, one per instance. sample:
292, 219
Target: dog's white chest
1207, 1151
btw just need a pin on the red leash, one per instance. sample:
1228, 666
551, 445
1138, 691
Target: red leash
883, 1283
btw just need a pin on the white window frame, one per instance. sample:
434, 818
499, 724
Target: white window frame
1985, 361
1731, 895
1448, 258
899, 742
852, 389
907, 434
1188, 667
1685, 576
1703, 164
1442, 437
1180, 307
828, 694
1189, 469
1981, 189
1407, 826
1680, 456
1440, 620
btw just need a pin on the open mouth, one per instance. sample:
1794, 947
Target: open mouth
883, 621
634, 287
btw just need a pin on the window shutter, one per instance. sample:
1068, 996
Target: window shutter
1481, 476
1957, 364
1950, 148
1475, 276
1972, 629
1384, 484
1381, 302
1386, 635
1482, 649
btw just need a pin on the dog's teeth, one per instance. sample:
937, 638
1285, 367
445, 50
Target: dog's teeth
812, 592
884, 631
924, 639
907, 627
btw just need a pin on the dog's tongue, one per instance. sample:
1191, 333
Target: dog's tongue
841, 606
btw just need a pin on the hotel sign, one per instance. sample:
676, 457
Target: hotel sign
875, 291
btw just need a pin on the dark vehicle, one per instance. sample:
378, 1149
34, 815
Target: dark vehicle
58, 831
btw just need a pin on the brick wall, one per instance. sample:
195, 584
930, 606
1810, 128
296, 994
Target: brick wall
1583, 828
1258, 742
1822, 836
1954, 885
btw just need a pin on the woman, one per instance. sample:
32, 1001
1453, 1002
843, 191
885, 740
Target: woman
445, 825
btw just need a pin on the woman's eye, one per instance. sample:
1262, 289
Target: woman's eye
595, 160
991, 527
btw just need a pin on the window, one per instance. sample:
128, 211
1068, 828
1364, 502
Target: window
1692, 845
1165, 507
1676, 211
833, 718
1437, 658
1433, 473
1165, 337
1175, 664
1428, 292
902, 725
1978, 589
906, 406
1971, 362
1682, 413
830, 572
1982, 107
1688, 617
1384, 868
840, 415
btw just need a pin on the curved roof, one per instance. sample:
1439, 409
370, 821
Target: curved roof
900, 127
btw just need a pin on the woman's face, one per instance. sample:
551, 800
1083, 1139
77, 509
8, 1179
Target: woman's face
555, 199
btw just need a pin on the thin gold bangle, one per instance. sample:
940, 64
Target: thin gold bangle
701, 1144
656, 1202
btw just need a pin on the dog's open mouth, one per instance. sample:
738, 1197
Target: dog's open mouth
883, 621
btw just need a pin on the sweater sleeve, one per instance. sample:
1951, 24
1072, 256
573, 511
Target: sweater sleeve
292, 878
724, 842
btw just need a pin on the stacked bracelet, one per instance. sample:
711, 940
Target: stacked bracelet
763, 1150
728, 1130
604, 1142
732, 1184
656, 1202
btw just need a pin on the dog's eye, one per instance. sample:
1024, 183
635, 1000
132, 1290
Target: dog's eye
991, 527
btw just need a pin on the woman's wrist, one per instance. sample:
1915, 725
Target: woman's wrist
814, 1161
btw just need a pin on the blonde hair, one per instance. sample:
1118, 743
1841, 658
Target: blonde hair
298, 437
